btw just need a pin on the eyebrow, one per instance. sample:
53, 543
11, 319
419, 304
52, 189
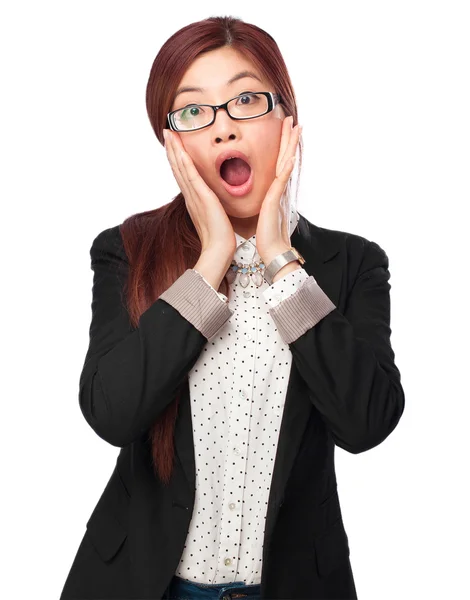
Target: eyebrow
236, 77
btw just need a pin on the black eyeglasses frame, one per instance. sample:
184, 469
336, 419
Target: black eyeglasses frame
273, 100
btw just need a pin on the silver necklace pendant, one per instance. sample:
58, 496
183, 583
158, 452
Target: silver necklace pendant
253, 270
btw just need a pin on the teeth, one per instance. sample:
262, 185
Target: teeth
230, 157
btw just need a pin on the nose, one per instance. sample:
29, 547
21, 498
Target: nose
224, 128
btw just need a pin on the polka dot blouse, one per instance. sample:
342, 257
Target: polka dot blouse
237, 391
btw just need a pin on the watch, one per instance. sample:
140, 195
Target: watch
280, 261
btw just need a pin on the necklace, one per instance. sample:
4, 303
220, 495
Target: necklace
254, 270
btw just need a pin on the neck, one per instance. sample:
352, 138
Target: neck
245, 227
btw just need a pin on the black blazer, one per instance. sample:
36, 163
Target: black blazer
344, 389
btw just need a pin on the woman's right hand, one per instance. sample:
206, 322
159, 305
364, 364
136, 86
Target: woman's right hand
207, 213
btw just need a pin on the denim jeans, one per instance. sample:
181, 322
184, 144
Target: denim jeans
180, 589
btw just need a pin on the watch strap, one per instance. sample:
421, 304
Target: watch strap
280, 261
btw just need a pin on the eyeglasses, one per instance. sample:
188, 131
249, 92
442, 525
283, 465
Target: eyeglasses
245, 106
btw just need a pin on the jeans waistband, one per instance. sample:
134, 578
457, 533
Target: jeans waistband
181, 588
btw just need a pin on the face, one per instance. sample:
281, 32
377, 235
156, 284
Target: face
258, 138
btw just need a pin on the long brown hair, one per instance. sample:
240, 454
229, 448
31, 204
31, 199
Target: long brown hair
162, 243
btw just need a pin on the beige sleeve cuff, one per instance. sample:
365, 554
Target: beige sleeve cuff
198, 303
301, 311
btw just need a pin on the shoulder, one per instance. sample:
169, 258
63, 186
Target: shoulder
359, 250
108, 243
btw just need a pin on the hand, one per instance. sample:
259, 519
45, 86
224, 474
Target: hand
272, 232
207, 213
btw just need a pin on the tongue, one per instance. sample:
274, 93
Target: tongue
235, 171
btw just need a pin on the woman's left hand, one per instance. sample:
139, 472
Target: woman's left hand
272, 232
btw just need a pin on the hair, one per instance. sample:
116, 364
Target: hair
162, 243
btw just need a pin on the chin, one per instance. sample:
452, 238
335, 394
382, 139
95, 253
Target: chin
235, 214
242, 208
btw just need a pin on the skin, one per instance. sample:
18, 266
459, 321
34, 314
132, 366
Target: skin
259, 138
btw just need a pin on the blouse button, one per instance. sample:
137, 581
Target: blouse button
247, 294
228, 561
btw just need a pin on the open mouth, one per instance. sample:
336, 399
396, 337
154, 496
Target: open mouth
235, 171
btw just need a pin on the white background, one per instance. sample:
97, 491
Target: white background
383, 95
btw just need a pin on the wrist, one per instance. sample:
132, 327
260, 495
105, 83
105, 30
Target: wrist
212, 267
271, 254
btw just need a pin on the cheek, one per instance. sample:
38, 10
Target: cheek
270, 153
194, 147
270, 140
194, 153
207, 172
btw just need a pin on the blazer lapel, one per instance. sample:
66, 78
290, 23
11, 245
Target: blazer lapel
320, 249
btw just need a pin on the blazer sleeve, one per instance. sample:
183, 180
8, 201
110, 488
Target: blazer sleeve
346, 358
130, 374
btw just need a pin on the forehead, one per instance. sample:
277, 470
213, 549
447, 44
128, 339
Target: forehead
213, 70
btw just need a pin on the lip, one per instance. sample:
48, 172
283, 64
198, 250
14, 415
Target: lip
235, 190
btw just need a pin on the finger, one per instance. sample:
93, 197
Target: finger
183, 165
188, 168
175, 160
170, 151
291, 146
294, 141
177, 166
279, 184
194, 187
286, 173
285, 136
176, 155
194, 178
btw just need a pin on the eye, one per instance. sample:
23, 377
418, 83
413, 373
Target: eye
248, 98
191, 110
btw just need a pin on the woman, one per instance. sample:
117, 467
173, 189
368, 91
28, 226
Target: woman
227, 388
